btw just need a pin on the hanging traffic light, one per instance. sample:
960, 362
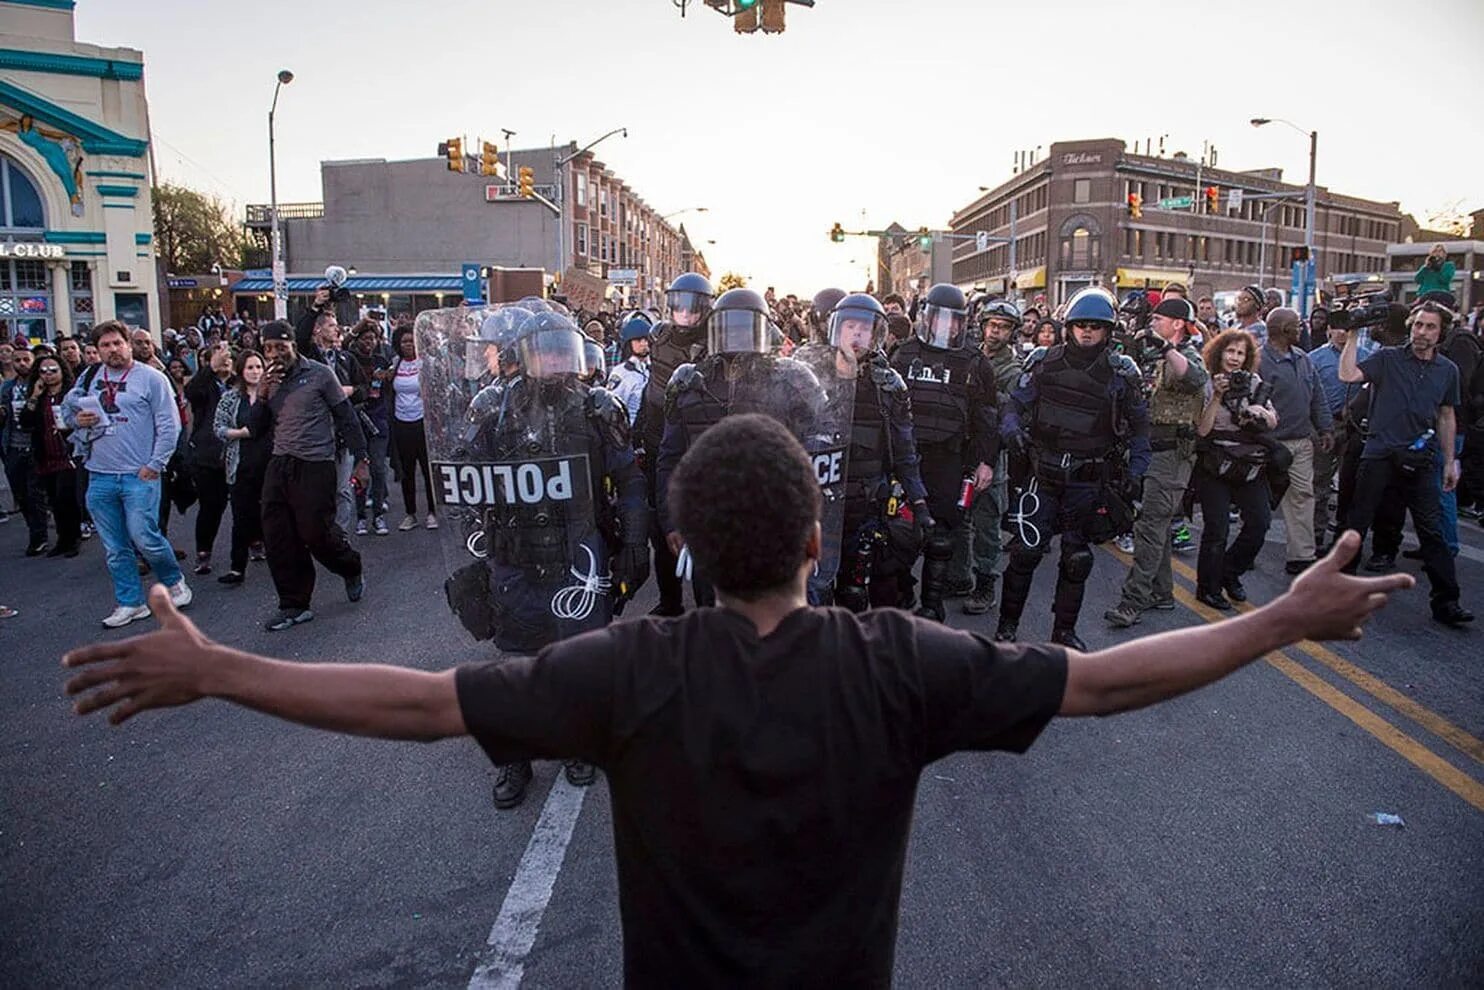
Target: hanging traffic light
1135, 205
454, 149
1299, 255
924, 238
527, 181
1213, 199
837, 234
772, 16
489, 159
744, 21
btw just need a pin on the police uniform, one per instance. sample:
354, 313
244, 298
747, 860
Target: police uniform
1074, 413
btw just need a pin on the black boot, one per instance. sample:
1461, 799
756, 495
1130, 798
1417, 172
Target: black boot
983, 598
937, 554
1067, 604
580, 774
511, 781
1018, 575
1067, 636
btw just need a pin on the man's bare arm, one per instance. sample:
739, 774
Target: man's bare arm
1323, 603
177, 665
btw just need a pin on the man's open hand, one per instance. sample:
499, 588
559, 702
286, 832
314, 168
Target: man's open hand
161, 669
1326, 603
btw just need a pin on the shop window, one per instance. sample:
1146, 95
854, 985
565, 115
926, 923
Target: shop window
20, 203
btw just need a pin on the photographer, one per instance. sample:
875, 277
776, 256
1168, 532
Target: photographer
1230, 470
1305, 424
1436, 273
1412, 426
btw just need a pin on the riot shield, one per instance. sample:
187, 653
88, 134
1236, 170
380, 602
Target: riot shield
517, 478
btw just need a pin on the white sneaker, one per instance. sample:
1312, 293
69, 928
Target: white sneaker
360, 527
432, 522
125, 614
180, 594
1125, 543
381, 529
408, 522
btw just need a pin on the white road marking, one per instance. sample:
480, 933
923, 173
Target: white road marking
503, 962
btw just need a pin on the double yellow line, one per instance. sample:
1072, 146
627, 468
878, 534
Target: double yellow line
1408, 748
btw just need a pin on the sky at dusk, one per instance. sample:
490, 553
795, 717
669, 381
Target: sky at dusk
898, 109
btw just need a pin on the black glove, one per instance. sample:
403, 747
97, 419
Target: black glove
630, 567
1019, 443
1132, 489
921, 515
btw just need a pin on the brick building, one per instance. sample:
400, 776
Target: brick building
1072, 226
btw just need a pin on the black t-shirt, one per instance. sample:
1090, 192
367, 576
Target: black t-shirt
762, 787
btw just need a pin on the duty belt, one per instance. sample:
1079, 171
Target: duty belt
1168, 436
1069, 470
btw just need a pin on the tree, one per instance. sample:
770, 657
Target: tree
1450, 219
194, 231
730, 280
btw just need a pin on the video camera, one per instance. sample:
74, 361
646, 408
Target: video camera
1367, 311
335, 278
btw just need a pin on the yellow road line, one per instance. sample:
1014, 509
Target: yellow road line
1393, 738
1376, 688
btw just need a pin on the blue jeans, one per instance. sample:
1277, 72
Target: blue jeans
126, 512
1449, 505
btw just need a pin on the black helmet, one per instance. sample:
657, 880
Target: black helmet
860, 309
691, 294
1091, 305
998, 309
550, 346
739, 324
1135, 304
940, 324
499, 329
825, 301
596, 364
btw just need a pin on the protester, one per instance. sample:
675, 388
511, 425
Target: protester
306, 410
15, 446
376, 372
125, 459
56, 476
407, 429
1230, 470
1250, 306
245, 458
757, 843
1304, 426
204, 455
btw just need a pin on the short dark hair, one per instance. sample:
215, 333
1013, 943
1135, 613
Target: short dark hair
892, 297
328, 314
107, 327
744, 545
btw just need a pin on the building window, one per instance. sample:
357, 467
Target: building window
582, 239
582, 191
20, 203
1082, 191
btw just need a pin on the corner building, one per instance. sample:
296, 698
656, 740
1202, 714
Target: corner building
76, 216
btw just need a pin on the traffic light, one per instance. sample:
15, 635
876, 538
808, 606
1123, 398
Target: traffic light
837, 234
1135, 205
454, 149
772, 16
489, 159
1299, 254
527, 181
924, 238
1213, 199
744, 21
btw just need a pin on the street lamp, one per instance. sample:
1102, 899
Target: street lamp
280, 280
561, 189
1309, 197
688, 209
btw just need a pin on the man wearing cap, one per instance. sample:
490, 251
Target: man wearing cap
1177, 379
1304, 419
631, 374
1251, 304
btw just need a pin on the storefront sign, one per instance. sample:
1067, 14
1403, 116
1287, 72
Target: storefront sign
1082, 158
29, 249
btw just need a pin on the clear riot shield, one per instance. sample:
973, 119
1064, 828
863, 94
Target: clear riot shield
826, 437
514, 471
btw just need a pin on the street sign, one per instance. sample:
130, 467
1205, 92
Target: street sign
1234, 202
472, 286
1177, 203
623, 276
981, 241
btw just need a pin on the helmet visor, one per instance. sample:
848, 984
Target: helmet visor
737, 331
941, 327
688, 309
548, 354
858, 330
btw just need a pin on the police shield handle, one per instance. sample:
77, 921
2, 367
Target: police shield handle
683, 565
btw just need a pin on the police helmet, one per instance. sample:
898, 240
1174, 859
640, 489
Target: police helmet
549, 346
534, 304
1091, 305
998, 309
857, 321
636, 327
739, 324
944, 314
692, 295
1135, 304
825, 301
498, 329
597, 364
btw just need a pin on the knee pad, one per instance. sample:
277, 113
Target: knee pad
1076, 564
1023, 561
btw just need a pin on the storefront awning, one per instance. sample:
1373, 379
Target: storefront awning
1159, 276
1035, 278
361, 283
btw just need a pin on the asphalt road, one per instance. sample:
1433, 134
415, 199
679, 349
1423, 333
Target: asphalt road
1218, 840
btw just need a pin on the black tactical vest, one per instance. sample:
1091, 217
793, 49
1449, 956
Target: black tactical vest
1074, 408
938, 385
668, 350
701, 409
868, 451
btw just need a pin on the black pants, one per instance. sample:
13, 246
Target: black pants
299, 528
1421, 493
1218, 562
247, 516
412, 450
672, 590
212, 495
61, 493
943, 476
1390, 516
20, 471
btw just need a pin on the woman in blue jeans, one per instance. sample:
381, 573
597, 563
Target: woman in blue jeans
1231, 469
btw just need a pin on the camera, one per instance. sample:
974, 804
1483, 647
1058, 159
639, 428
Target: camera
1242, 391
1369, 311
335, 278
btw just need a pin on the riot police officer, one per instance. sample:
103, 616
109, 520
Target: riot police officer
952, 391
885, 503
678, 340
1079, 406
820, 308
739, 374
548, 500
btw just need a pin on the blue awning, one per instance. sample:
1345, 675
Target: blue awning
360, 283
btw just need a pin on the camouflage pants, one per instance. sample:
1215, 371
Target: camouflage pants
977, 546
